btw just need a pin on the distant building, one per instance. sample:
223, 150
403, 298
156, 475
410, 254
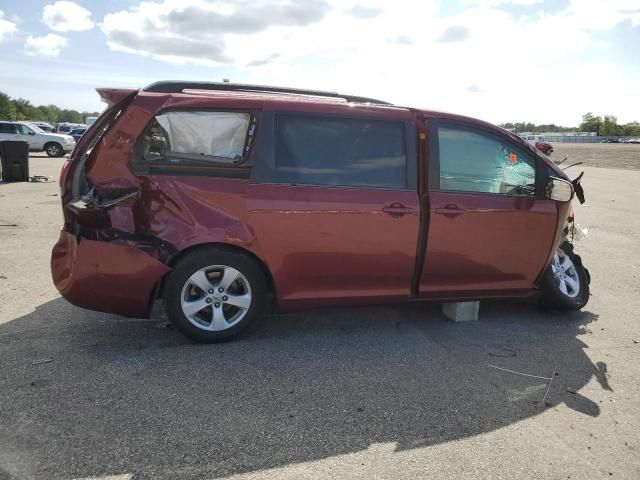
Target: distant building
569, 134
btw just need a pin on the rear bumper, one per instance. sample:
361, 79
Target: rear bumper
106, 277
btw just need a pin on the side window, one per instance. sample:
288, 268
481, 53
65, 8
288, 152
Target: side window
198, 137
22, 129
332, 151
8, 128
476, 162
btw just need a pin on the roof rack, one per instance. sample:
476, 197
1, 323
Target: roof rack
177, 87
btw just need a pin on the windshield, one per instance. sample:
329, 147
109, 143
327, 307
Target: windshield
33, 127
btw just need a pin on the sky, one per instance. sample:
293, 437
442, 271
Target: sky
542, 61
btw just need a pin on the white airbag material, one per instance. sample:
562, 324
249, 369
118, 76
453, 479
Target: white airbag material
216, 134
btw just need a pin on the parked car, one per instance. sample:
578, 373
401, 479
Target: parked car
66, 128
611, 140
55, 145
539, 142
228, 200
44, 126
77, 133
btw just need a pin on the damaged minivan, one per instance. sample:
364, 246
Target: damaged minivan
227, 201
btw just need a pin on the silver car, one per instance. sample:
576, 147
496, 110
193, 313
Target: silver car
54, 144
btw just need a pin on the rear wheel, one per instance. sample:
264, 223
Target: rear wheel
53, 149
565, 284
214, 294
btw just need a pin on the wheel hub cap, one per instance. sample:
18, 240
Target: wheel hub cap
565, 274
216, 298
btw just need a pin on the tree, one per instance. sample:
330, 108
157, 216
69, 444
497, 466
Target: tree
590, 123
21, 109
609, 126
7, 108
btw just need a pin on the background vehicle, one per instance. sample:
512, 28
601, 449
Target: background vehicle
225, 205
44, 126
67, 127
539, 142
53, 144
77, 133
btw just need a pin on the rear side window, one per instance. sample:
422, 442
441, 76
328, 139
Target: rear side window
472, 161
188, 137
332, 151
8, 128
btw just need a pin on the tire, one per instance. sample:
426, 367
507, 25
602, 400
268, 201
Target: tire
555, 297
53, 149
214, 294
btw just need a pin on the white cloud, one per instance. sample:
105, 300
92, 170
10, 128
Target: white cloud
65, 16
6, 26
48, 45
603, 14
482, 61
193, 31
496, 3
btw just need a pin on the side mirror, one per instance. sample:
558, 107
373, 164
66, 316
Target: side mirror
559, 190
31, 132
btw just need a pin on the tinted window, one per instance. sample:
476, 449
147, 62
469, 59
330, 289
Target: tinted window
187, 137
340, 151
476, 162
8, 128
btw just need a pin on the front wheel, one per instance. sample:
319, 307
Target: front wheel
565, 284
53, 149
214, 294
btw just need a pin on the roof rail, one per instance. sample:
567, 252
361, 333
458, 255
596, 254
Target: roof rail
178, 86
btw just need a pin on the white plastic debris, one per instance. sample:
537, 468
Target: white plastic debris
216, 134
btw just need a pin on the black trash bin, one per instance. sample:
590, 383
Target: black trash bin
15, 161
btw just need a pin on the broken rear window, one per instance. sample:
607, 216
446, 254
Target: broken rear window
198, 137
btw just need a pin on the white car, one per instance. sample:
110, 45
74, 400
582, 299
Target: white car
46, 127
54, 144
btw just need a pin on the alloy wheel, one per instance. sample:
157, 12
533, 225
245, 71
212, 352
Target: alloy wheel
565, 274
53, 150
216, 298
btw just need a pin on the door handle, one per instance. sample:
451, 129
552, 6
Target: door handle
450, 210
397, 209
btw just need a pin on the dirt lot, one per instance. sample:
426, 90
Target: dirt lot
390, 392
609, 155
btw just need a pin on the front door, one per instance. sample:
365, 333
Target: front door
335, 207
490, 226
27, 135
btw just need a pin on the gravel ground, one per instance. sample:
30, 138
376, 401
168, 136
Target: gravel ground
380, 392
609, 155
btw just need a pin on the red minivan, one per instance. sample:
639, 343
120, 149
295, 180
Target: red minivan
227, 200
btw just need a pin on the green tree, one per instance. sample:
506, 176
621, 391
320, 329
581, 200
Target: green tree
24, 109
631, 129
590, 123
609, 126
21, 109
7, 108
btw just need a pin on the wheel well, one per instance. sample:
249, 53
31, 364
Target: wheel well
231, 248
50, 142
